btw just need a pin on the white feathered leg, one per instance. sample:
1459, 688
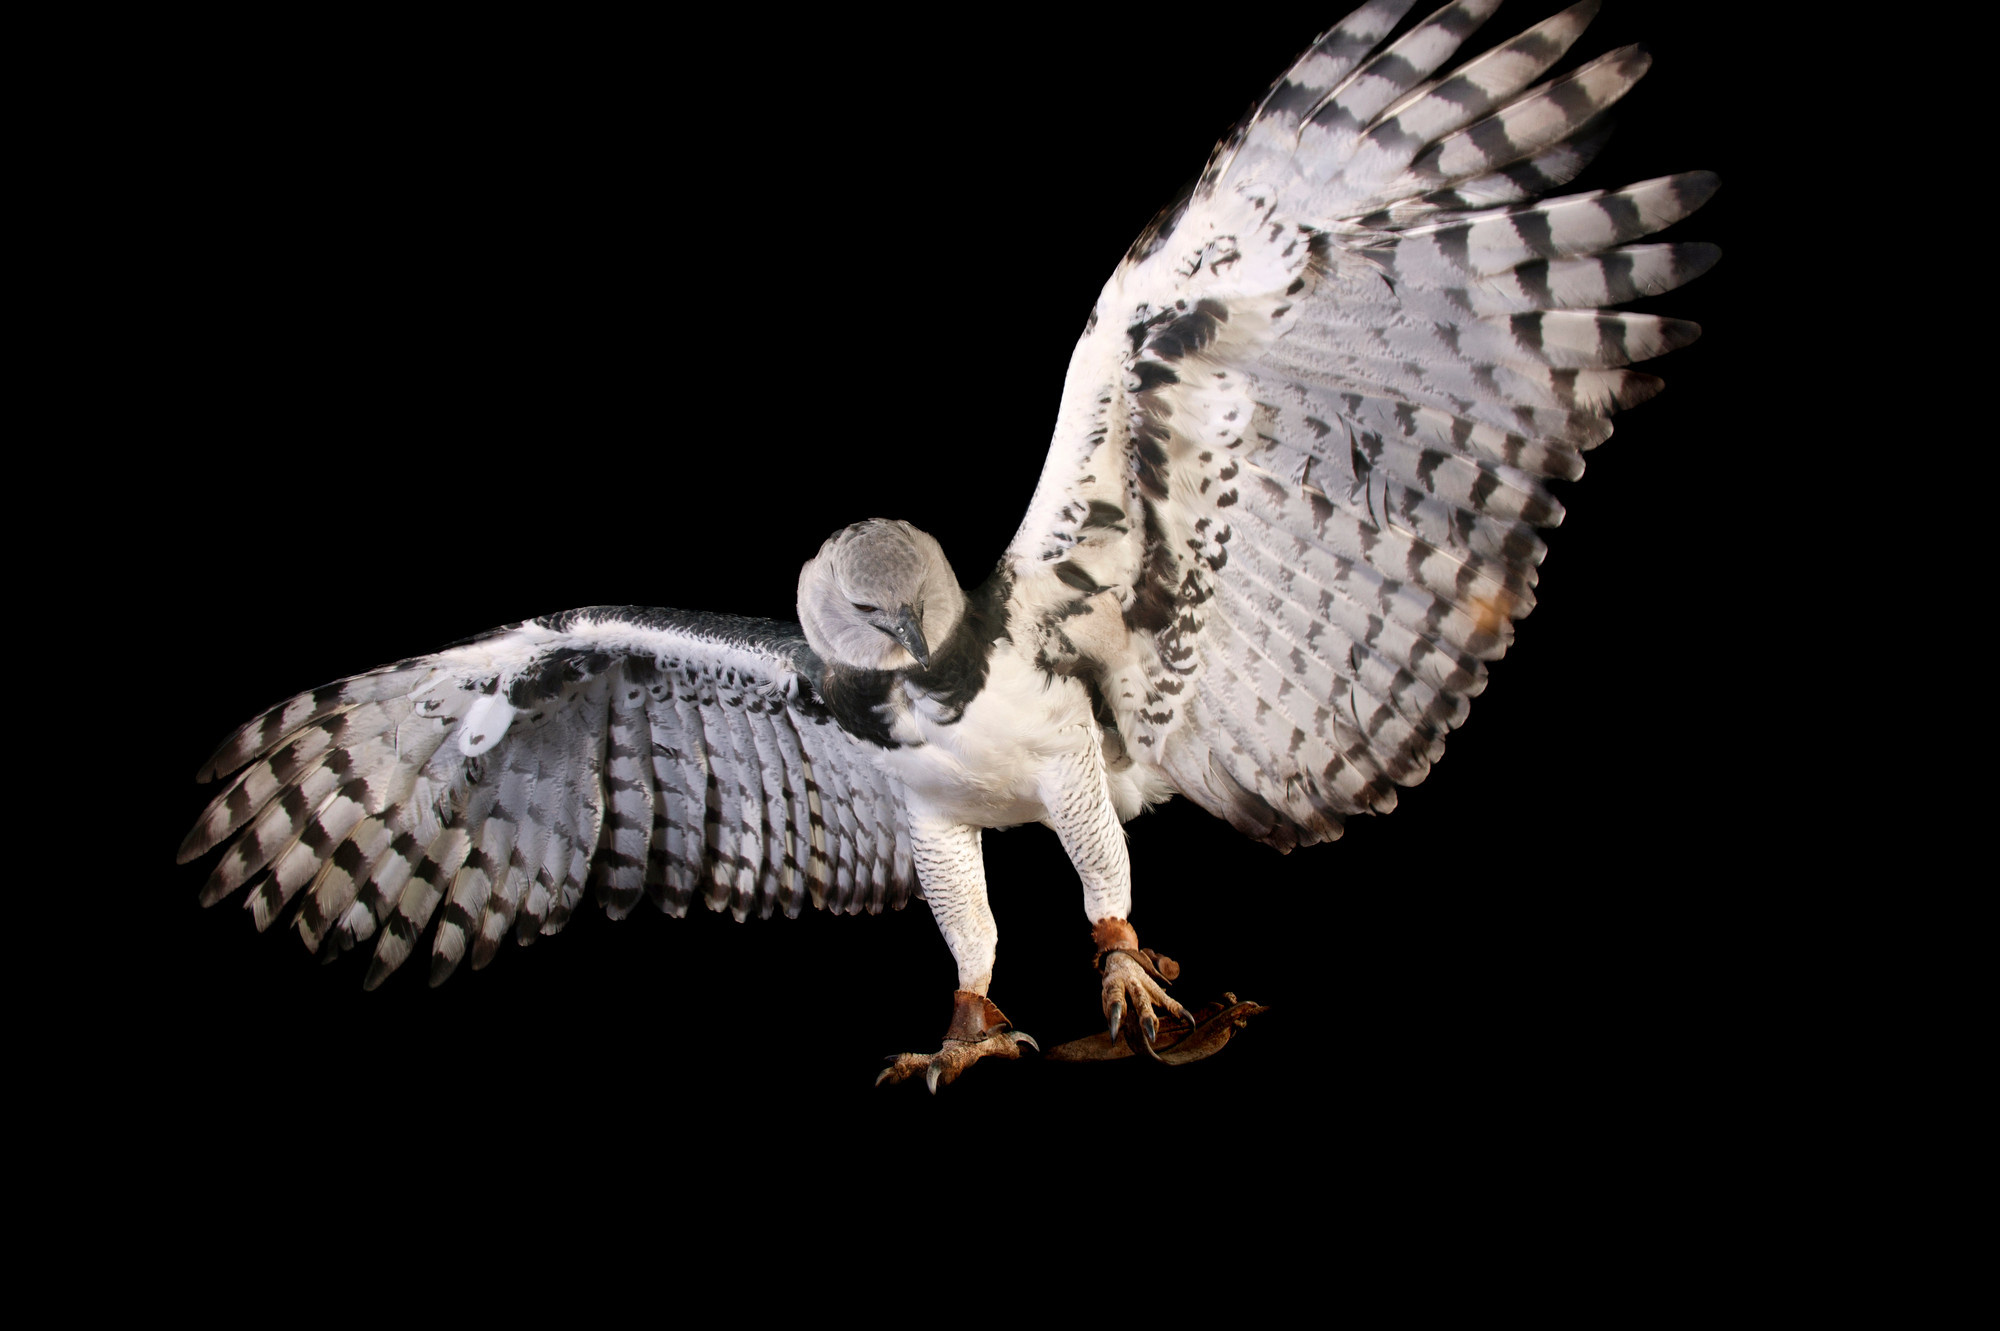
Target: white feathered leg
953, 872
952, 869
1078, 799
1073, 790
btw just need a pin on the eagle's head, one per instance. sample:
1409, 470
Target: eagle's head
879, 596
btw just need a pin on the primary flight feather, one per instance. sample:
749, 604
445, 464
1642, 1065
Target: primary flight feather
1289, 513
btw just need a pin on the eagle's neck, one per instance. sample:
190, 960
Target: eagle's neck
959, 663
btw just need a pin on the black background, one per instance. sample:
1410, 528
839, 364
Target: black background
447, 329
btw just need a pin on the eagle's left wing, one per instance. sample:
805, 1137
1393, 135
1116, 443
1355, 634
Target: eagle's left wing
1289, 510
640, 752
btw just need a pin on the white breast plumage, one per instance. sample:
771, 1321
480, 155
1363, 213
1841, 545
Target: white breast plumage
982, 766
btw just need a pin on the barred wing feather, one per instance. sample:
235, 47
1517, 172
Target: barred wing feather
636, 753
1306, 439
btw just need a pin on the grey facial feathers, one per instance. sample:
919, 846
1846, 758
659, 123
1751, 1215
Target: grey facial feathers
879, 596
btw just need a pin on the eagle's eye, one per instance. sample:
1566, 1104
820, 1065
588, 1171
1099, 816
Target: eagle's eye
864, 609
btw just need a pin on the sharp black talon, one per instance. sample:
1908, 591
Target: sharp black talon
1150, 1027
1022, 1037
1117, 1016
1146, 1048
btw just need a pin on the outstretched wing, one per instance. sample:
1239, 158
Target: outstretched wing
646, 752
1305, 440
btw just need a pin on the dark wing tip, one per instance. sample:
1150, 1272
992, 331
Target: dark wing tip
193, 846
1693, 258
1695, 188
1677, 333
1637, 387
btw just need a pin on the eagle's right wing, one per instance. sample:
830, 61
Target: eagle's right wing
649, 752
1307, 438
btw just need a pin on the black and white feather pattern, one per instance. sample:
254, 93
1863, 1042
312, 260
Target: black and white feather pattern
1306, 438
639, 753
1435, 294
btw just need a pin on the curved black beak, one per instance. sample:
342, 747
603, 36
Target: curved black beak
911, 634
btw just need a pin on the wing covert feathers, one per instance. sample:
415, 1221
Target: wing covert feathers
1307, 436
485, 789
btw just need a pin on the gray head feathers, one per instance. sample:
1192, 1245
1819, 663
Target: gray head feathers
879, 596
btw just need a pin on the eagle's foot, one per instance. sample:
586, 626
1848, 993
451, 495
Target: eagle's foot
1133, 983
978, 1030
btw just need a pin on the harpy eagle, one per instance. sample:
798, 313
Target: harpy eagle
1287, 515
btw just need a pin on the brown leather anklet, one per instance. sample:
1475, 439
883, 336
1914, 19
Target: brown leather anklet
1113, 935
973, 1017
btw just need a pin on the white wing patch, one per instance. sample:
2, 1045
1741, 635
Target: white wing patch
485, 725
